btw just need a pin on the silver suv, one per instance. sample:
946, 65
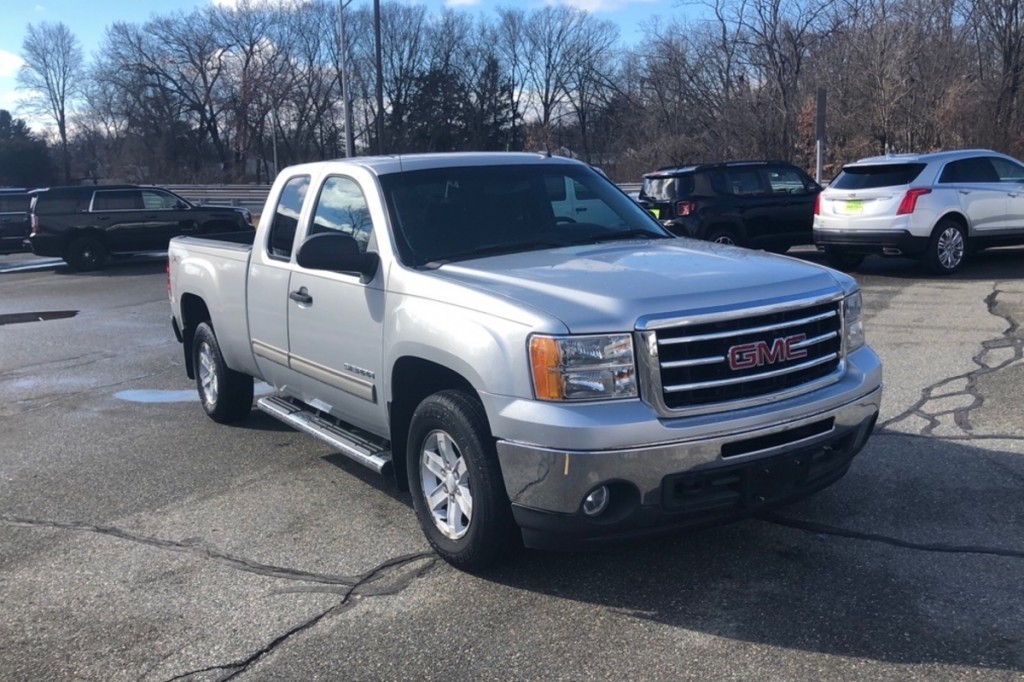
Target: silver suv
935, 207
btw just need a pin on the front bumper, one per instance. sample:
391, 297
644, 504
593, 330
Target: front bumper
732, 466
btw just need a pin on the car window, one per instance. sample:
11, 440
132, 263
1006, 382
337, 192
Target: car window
55, 203
555, 185
341, 207
281, 239
786, 181
1007, 170
880, 175
155, 200
974, 169
744, 181
117, 200
582, 192
14, 203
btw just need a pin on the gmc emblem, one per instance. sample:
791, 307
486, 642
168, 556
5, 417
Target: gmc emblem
758, 353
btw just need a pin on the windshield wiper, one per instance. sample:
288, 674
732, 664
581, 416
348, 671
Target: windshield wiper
494, 250
625, 234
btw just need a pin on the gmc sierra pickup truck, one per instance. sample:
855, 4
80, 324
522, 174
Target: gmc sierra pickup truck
534, 370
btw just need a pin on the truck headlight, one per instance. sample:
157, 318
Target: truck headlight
598, 367
854, 323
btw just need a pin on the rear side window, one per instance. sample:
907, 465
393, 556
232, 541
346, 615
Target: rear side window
882, 175
286, 218
47, 203
14, 203
1008, 170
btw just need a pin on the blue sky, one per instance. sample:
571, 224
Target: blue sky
88, 19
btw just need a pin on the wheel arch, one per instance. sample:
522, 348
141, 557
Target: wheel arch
737, 227
956, 216
412, 380
193, 313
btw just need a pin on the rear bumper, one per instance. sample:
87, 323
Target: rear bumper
47, 245
884, 242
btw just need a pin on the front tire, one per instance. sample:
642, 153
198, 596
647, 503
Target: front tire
457, 488
226, 395
947, 248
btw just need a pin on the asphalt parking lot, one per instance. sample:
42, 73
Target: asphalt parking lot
141, 541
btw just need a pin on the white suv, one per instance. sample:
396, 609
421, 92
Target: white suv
936, 207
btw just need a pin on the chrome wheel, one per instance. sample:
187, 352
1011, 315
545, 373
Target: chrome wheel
207, 375
724, 239
950, 248
445, 485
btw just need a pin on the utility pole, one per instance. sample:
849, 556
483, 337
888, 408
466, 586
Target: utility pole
380, 78
350, 143
820, 136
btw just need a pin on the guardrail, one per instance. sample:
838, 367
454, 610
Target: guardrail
253, 197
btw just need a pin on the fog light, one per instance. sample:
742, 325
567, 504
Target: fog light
597, 501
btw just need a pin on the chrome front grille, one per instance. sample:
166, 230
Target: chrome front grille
710, 361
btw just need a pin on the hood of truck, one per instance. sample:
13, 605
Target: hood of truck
609, 287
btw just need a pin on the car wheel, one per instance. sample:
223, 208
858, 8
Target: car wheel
226, 395
85, 253
457, 489
724, 236
843, 260
947, 248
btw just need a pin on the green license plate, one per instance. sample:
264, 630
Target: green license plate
854, 207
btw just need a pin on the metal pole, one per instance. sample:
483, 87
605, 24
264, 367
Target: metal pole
350, 143
820, 136
380, 78
273, 137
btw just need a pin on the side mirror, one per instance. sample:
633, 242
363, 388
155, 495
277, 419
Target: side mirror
337, 252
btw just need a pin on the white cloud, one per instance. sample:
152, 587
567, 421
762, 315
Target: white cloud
233, 4
461, 3
601, 5
9, 64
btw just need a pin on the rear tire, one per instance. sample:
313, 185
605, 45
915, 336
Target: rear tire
843, 260
85, 253
456, 484
226, 395
947, 248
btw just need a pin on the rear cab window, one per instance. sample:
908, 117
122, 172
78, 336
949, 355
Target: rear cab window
878, 175
281, 239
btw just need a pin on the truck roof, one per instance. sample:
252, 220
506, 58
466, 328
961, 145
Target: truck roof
383, 165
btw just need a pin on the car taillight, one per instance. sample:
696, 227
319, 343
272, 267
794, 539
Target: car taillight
909, 202
686, 208
817, 204
35, 224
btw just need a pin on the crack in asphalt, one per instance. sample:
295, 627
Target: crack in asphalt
824, 529
366, 584
969, 393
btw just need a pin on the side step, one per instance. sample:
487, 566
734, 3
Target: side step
355, 444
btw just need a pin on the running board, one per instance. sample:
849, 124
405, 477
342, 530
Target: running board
357, 445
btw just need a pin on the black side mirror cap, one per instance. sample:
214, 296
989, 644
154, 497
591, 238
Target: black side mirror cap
337, 252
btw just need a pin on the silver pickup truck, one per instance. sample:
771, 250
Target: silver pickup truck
527, 350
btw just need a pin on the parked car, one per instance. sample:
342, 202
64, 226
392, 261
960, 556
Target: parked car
14, 222
758, 204
937, 207
83, 225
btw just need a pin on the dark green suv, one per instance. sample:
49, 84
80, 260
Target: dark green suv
758, 204
83, 225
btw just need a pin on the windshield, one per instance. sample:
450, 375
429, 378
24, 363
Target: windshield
446, 214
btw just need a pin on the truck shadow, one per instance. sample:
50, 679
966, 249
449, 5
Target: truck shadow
799, 579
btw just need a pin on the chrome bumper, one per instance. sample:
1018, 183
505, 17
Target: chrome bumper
557, 480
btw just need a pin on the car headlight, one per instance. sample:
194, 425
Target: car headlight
854, 323
598, 367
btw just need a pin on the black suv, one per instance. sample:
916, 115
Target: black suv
758, 204
14, 223
84, 224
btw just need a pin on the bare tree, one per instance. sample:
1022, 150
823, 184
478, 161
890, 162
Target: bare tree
53, 70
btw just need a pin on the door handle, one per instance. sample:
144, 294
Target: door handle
580, 210
301, 297
965, 191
